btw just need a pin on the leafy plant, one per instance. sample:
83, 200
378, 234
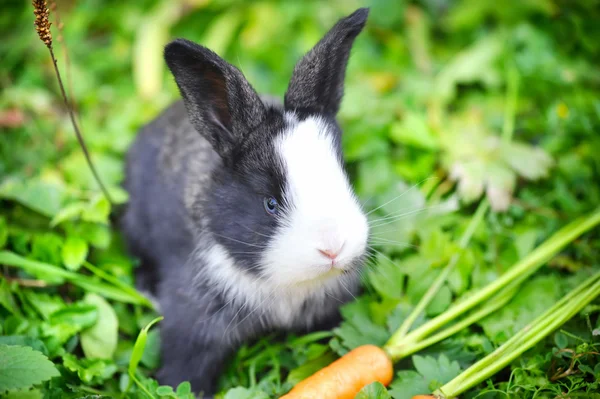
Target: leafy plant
22, 367
448, 106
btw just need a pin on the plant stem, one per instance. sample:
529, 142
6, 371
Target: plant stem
81, 280
76, 128
518, 273
115, 281
441, 278
536, 324
402, 351
141, 386
526, 338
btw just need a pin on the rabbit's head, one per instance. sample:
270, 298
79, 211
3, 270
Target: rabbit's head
280, 205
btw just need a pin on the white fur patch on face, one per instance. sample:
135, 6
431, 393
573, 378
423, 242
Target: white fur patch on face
324, 228
262, 299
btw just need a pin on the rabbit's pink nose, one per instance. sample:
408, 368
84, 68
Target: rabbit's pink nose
329, 253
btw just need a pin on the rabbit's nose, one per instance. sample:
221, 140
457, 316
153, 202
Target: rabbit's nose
330, 252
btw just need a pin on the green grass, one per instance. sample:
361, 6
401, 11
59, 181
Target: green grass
448, 104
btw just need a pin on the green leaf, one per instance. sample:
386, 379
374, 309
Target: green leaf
100, 340
436, 371
85, 282
440, 302
90, 371
151, 356
561, 340
58, 334
79, 315
375, 175
28, 394
375, 390
44, 304
222, 30
183, 389
42, 197
387, 278
532, 163
245, 393
358, 328
22, 340
481, 162
98, 235
22, 367
140, 346
97, 210
166, 391
309, 368
431, 374
6, 298
3, 232
402, 210
407, 384
399, 314
46, 247
69, 212
78, 172
533, 297
413, 130
152, 33
474, 64
74, 252
363, 143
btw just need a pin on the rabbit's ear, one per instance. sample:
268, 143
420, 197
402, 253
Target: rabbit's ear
220, 102
317, 84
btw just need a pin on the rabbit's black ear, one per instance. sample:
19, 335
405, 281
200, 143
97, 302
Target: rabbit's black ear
220, 102
317, 84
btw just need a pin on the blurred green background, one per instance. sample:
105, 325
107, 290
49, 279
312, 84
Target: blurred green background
465, 99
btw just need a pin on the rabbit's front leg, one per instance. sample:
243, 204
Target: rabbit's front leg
193, 349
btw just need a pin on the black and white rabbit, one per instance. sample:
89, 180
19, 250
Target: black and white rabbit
240, 209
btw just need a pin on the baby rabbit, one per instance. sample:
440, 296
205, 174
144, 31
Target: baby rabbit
240, 209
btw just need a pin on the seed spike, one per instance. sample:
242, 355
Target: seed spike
42, 23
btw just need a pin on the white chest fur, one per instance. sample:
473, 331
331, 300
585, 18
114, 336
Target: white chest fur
280, 306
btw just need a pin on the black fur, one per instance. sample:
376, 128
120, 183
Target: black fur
221, 104
317, 84
235, 207
197, 176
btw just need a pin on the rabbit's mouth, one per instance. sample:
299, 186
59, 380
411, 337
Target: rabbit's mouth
327, 272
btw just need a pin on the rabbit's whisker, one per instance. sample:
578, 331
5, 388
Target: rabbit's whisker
239, 241
400, 196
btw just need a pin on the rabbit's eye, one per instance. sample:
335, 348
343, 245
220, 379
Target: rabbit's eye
271, 205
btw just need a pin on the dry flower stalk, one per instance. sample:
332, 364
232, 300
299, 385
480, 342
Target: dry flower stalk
60, 38
42, 26
42, 23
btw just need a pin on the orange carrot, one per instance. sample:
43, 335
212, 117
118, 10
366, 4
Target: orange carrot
346, 376
423, 397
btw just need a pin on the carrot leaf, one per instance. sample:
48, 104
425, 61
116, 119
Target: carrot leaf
375, 390
430, 374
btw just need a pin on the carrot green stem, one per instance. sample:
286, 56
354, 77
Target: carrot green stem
538, 323
518, 273
441, 278
402, 351
541, 327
